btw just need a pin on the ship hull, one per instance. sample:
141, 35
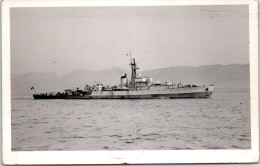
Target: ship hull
198, 92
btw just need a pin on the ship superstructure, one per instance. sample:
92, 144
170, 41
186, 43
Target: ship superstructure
138, 87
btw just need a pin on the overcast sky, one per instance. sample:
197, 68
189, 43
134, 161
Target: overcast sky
64, 39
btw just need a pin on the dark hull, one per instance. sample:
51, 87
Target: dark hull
153, 96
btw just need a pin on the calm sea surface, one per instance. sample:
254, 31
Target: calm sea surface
221, 122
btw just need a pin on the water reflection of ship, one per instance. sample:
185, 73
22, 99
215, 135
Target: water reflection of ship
139, 87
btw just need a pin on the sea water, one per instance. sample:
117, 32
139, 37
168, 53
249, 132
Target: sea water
220, 122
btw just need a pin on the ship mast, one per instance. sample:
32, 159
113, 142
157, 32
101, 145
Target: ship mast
134, 69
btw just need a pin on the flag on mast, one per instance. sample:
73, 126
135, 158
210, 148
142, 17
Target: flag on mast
32, 88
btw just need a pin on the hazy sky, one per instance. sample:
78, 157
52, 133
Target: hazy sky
64, 39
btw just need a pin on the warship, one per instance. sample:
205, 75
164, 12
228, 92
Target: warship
138, 87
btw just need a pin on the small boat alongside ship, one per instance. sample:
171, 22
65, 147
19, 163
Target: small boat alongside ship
138, 87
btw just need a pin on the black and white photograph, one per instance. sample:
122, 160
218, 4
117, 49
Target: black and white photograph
145, 78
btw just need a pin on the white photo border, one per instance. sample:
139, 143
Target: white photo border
128, 156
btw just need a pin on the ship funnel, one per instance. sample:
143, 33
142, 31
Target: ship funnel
123, 80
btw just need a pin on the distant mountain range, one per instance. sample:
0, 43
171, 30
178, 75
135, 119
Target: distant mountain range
222, 76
